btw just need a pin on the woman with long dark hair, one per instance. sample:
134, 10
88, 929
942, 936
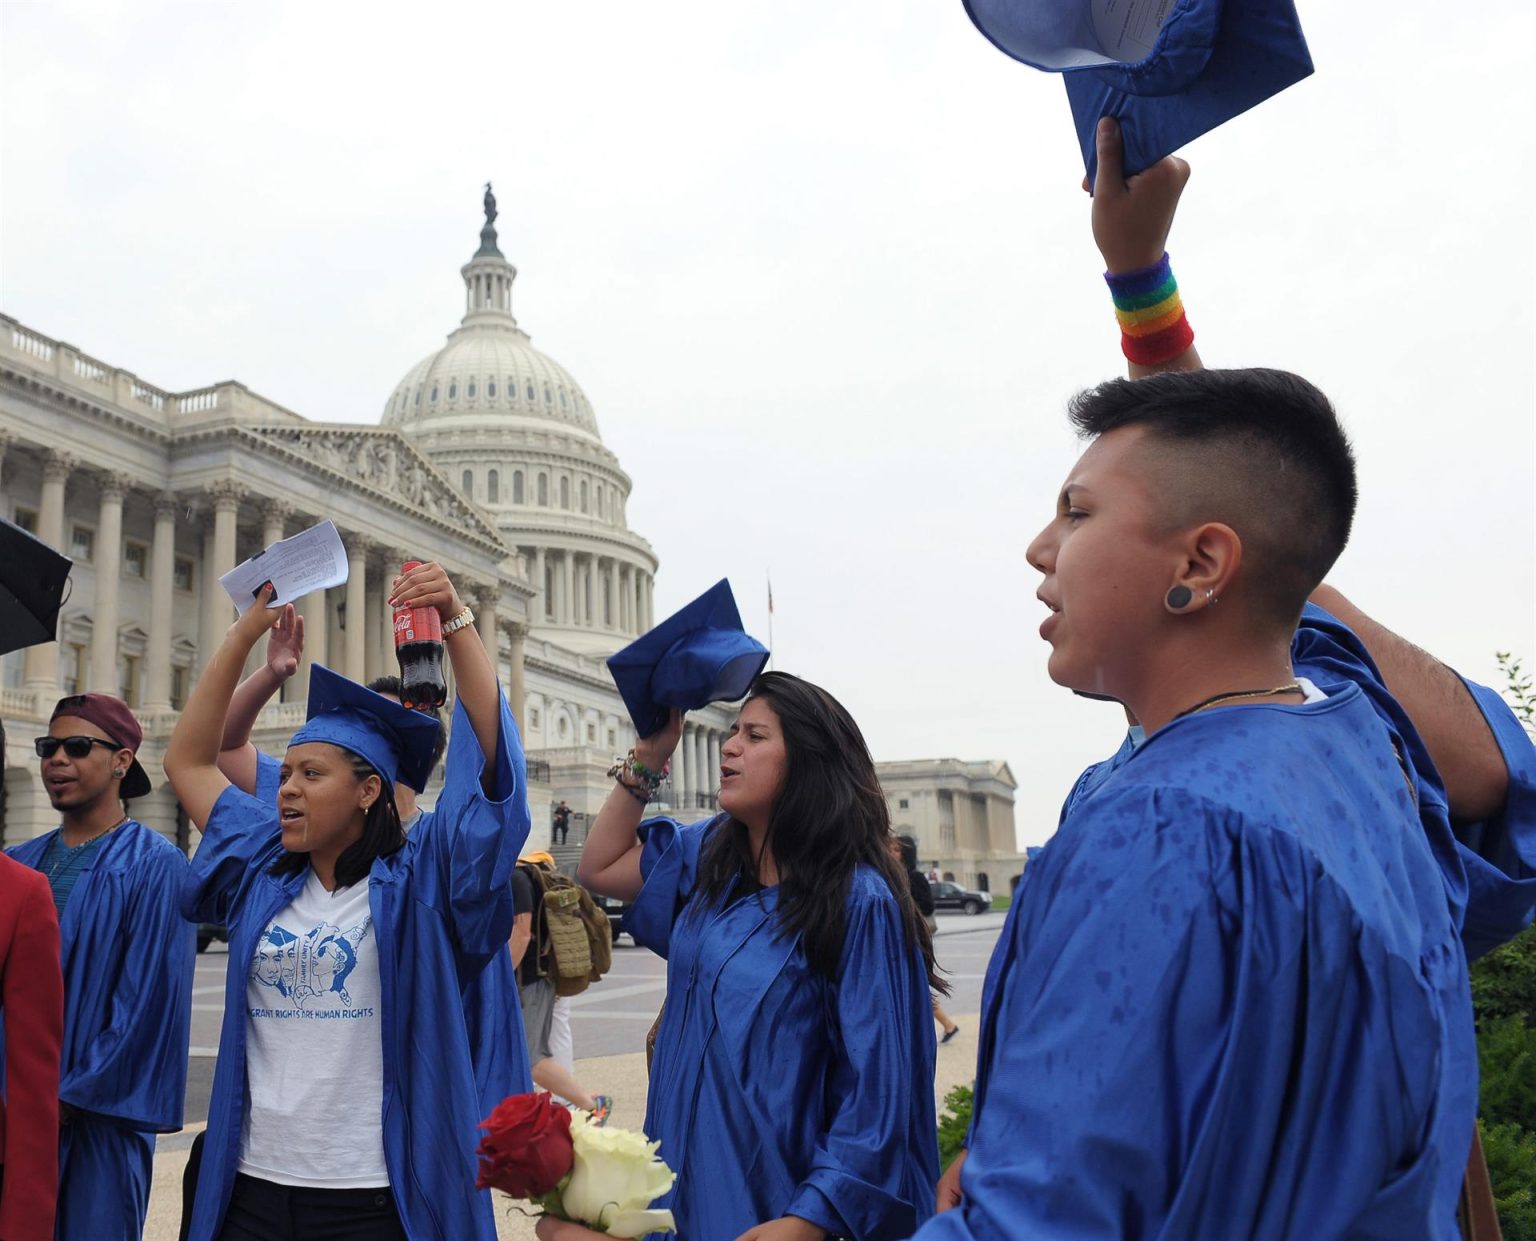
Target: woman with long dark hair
345, 1102
792, 1086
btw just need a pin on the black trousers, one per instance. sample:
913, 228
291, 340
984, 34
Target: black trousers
262, 1211
189, 1183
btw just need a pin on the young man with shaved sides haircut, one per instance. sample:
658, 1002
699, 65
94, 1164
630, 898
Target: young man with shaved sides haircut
1231, 999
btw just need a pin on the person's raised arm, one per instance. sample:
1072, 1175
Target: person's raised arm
285, 647
610, 859
192, 755
428, 586
1131, 221
1449, 722
522, 934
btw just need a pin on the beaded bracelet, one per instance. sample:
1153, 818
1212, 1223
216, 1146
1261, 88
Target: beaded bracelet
636, 779
1153, 329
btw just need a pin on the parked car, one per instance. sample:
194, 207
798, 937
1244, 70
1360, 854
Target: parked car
615, 909
207, 932
952, 896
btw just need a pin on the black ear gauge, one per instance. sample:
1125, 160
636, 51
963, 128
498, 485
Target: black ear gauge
1179, 597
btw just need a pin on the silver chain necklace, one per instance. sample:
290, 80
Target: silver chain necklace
71, 853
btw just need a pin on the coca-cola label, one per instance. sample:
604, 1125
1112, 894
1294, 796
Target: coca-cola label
417, 625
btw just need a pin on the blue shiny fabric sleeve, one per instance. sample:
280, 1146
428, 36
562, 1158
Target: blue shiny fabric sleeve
669, 864
133, 1065
241, 839
468, 846
1492, 875
875, 1167
1168, 975
269, 778
1502, 879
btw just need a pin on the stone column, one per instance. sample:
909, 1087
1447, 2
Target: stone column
705, 779
611, 616
274, 521
714, 761
373, 602
517, 692
355, 635
6, 439
640, 625
594, 617
390, 560
316, 635
218, 558
650, 602
538, 611
680, 772
162, 578
42, 661
568, 589
622, 600
109, 582
485, 620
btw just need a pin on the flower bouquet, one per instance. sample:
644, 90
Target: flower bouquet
604, 1179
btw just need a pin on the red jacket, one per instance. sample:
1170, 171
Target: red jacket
32, 1006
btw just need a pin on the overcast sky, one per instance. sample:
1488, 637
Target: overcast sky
825, 274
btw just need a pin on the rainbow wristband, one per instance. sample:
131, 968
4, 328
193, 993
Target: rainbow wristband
1153, 329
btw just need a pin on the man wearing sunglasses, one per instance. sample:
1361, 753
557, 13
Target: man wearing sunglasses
127, 960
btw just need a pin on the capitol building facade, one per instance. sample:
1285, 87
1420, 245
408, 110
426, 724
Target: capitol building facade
487, 458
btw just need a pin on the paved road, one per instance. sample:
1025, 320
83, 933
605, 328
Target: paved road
607, 1019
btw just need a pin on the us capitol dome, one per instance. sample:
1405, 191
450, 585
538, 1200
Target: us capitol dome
512, 429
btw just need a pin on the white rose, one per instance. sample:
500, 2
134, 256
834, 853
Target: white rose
615, 1178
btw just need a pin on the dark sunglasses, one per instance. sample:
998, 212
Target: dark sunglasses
75, 747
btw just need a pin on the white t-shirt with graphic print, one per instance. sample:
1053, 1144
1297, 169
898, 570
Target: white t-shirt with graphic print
314, 1059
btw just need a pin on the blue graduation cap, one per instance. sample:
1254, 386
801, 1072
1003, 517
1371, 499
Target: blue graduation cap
696, 656
397, 741
1166, 79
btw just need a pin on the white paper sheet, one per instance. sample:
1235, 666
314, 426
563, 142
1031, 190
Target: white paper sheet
310, 560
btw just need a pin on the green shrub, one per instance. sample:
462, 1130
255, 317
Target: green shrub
1511, 1153
1504, 981
1506, 1061
953, 1124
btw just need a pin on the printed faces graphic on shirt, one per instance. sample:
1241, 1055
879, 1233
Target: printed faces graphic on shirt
309, 969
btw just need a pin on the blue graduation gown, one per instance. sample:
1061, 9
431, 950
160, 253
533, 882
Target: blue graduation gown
127, 959
1230, 1001
1489, 867
775, 1091
1497, 855
493, 1013
441, 908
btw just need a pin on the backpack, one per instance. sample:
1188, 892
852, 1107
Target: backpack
572, 938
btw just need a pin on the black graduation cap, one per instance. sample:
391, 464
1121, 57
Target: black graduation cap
1168, 71
696, 656
32, 577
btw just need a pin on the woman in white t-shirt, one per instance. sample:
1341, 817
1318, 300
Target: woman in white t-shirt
344, 1102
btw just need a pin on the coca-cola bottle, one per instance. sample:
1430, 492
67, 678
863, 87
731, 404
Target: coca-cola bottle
419, 648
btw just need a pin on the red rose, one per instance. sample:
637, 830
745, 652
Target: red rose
526, 1150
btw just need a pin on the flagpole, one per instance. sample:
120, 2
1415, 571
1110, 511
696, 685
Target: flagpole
770, 621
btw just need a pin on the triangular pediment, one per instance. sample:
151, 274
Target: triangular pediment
383, 461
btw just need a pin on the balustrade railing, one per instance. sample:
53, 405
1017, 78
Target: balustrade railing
21, 703
89, 368
29, 342
152, 397
197, 402
282, 715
